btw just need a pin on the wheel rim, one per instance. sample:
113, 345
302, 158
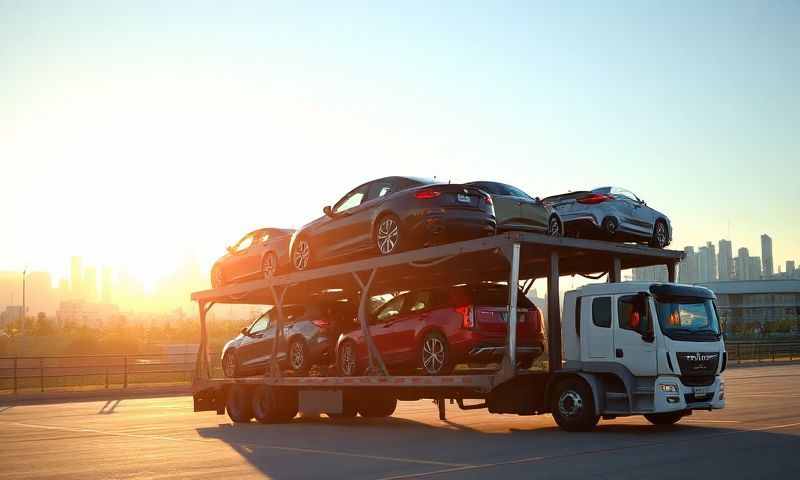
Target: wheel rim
301, 255
661, 234
555, 228
348, 360
270, 265
570, 403
433, 355
388, 235
297, 355
611, 227
229, 365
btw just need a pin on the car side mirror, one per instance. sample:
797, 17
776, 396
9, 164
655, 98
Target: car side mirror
243, 331
537, 200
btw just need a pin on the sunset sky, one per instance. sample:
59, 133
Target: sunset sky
138, 135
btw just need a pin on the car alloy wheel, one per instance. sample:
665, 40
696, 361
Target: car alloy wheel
302, 254
269, 265
570, 403
554, 229
388, 235
661, 235
347, 359
610, 226
433, 354
297, 355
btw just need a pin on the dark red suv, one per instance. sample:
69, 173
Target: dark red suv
436, 329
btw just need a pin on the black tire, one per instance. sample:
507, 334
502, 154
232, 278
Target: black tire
661, 419
388, 235
269, 265
572, 406
347, 359
298, 356
660, 238
302, 254
434, 355
230, 364
610, 226
377, 407
238, 403
554, 227
271, 405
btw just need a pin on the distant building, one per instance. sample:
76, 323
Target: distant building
766, 255
655, 273
790, 268
757, 300
79, 312
706, 263
754, 268
687, 271
76, 278
741, 265
90, 284
725, 260
105, 282
12, 313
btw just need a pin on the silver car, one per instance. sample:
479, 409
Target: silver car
611, 213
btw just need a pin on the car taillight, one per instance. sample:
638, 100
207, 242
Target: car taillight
594, 198
426, 194
467, 319
321, 323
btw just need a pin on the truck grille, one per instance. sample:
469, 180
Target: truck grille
697, 380
696, 364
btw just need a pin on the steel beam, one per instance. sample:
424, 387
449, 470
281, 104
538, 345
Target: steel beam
615, 274
202, 369
553, 313
671, 272
510, 356
274, 369
374, 355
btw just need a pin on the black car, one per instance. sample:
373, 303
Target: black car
309, 338
516, 210
392, 214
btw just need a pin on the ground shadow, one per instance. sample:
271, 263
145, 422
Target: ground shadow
109, 407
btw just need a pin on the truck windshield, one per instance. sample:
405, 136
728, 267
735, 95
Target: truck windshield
688, 319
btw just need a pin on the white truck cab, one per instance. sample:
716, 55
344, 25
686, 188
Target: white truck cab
643, 348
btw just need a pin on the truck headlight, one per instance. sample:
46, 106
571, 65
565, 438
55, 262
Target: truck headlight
722, 387
669, 388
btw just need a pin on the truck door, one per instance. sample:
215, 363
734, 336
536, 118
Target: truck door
598, 339
634, 344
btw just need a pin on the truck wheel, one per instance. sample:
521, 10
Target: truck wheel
572, 406
669, 418
238, 404
271, 405
377, 407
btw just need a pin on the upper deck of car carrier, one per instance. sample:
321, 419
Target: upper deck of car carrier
510, 257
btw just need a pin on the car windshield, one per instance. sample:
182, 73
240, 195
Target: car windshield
687, 317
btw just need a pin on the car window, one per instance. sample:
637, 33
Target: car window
632, 314
601, 312
244, 243
488, 187
352, 199
624, 193
391, 309
516, 192
260, 325
419, 301
384, 190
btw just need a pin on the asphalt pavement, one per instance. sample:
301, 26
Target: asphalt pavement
756, 436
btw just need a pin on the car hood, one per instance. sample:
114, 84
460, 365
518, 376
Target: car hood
232, 343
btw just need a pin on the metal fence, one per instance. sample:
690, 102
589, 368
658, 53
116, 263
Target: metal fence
18, 374
21, 374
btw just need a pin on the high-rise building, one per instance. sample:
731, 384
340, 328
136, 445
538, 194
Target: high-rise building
725, 260
790, 268
76, 278
90, 284
655, 273
754, 268
740, 264
766, 255
105, 282
706, 263
687, 272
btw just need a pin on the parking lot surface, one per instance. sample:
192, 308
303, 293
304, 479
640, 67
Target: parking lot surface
756, 436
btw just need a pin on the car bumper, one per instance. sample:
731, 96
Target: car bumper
438, 225
710, 397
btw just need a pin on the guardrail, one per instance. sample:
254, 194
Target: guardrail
71, 371
43, 372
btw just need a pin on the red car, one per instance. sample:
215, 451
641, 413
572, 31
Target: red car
260, 253
436, 329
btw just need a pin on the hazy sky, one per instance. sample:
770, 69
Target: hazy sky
138, 135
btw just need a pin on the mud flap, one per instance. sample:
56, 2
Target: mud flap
210, 399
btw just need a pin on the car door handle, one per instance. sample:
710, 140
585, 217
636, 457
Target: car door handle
620, 353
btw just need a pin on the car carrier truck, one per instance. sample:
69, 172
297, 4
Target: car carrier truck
621, 348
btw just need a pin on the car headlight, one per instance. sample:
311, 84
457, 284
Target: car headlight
669, 388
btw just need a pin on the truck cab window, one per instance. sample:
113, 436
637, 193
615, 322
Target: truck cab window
601, 312
633, 315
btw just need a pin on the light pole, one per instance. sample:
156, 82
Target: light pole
22, 325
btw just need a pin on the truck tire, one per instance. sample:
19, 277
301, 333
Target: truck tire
669, 418
572, 406
271, 405
377, 407
238, 403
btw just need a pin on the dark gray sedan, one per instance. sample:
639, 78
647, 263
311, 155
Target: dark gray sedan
516, 210
611, 213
